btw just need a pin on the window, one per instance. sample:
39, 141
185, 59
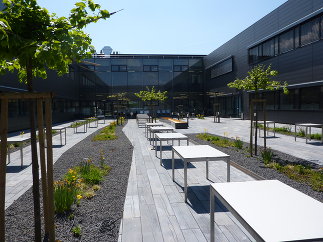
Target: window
288, 101
150, 68
268, 49
296, 37
310, 32
253, 55
180, 67
222, 68
310, 98
286, 41
119, 68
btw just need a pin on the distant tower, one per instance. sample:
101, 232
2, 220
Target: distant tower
107, 50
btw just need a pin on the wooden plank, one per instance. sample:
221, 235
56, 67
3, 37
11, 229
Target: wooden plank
50, 175
194, 235
184, 216
173, 195
131, 207
3, 164
131, 230
176, 229
151, 230
163, 217
42, 158
25, 95
155, 183
145, 195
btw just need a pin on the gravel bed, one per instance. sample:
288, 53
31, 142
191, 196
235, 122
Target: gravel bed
98, 217
255, 165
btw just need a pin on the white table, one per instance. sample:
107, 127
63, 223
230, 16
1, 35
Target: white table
198, 153
153, 130
309, 125
267, 126
60, 128
270, 210
84, 126
92, 120
21, 140
142, 119
166, 137
148, 125
101, 117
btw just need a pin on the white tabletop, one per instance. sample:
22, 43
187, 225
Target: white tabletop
17, 139
160, 128
58, 127
261, 121
171, 136
276, 211
154, 124
199, 151
310, 125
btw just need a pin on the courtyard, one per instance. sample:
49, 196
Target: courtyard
153, 206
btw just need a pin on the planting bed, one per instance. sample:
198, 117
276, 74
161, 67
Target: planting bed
99, 217
241, 157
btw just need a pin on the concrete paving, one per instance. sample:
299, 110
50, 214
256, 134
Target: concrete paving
19, 180
236, 128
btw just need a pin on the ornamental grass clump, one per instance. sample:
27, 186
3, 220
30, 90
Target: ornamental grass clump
64, 196
267, 156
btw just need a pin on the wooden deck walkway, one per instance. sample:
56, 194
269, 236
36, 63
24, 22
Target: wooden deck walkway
154, 208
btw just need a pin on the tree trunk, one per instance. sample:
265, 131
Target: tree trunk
34, 157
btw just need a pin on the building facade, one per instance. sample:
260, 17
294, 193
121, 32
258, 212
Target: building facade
290, 39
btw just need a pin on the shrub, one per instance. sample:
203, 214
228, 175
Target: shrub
64, 196
238, 143
267, 156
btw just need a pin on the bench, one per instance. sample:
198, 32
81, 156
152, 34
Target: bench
177, 124
269, 210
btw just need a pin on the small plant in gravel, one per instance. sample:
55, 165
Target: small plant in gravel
267, 156
107, 133
238, 143
89, 194
96, 187
77, 231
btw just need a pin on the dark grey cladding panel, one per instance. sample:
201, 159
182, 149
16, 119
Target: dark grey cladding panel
293, 10
317, 4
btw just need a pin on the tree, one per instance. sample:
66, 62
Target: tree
32, 41
150, 96
259, 78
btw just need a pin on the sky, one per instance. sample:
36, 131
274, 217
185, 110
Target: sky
169, 26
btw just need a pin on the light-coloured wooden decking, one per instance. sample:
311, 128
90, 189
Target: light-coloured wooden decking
154, 208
